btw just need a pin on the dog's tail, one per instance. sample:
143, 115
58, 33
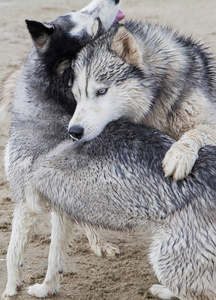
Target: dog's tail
6, 97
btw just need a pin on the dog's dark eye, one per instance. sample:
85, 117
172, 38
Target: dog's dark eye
102, 92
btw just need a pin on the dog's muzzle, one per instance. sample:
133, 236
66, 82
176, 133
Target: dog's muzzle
76, 132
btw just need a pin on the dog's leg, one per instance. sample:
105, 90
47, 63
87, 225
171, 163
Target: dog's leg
98, 245
162, 292
61, 231
180, 158
22, 226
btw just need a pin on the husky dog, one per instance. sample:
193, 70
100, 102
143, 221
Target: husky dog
152, 76
42, 108
123, 186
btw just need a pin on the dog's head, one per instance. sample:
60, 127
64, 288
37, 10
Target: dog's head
76, 28
109, 83
57, 43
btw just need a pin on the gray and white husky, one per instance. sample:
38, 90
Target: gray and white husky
151, 75
116, 181
42, 107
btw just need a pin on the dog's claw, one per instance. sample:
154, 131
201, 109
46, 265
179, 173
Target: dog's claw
7, 294
12, 290
105, 249
162, 292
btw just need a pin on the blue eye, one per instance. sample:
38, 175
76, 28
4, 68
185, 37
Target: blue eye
102, 92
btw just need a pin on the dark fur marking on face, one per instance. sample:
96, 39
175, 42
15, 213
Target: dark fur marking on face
61, 46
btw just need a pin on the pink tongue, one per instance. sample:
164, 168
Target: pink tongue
120, 16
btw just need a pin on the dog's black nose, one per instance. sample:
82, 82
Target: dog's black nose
117, 1
76, 131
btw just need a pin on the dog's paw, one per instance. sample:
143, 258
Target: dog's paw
42, 290
162, 292
179, 160
11, 290
8, 293
98, 245
105, 249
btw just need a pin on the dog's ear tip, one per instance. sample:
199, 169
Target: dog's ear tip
29, 22
121, 28
125, 46
40, 32
40, 26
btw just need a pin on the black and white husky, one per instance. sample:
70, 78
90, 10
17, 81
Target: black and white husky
116, 181
42, 107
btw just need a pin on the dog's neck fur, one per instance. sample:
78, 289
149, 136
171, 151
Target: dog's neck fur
53, 88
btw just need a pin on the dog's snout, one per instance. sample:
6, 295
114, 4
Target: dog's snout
117, 1
76, 132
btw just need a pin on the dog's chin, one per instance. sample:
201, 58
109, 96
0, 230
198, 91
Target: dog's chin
83, 139
77, 140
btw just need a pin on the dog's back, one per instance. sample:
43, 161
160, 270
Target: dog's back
116, 181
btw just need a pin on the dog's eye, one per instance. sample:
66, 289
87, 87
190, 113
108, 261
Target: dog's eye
102, 92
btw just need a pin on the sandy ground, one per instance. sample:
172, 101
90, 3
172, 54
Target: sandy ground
86, 276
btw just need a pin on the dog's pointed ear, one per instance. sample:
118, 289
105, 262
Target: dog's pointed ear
126, 47
40, 32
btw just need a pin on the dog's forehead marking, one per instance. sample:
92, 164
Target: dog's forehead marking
81, 22
79, 85
85, 85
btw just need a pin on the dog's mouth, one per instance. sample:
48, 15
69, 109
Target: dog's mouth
120, 16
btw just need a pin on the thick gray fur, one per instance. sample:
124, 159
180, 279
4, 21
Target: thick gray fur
116, 181
153, 76
42, 107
